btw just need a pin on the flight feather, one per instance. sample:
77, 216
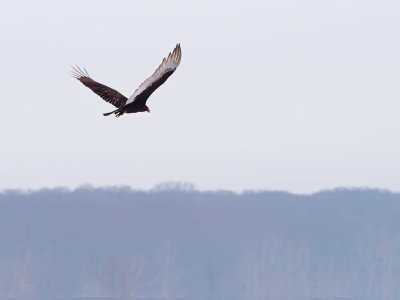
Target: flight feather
160, 75
106, 93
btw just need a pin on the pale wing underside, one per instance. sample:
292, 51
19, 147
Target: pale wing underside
168, 65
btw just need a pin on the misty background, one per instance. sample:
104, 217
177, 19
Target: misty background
276, 104
278, 94
174, 242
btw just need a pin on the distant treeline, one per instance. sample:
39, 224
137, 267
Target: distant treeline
176, 242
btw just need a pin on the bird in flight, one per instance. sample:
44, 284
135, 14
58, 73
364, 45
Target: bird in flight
136, 102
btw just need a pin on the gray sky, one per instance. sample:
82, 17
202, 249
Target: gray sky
282, 94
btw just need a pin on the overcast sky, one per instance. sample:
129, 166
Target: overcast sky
297, 95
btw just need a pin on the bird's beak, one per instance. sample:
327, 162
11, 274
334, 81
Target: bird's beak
148, 110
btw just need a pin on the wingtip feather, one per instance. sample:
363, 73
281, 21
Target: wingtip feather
78, 73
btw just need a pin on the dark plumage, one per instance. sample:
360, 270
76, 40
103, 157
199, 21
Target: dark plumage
137, 102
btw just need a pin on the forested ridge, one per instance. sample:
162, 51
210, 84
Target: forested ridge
174, 242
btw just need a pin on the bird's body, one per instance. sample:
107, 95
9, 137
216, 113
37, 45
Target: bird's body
137, 102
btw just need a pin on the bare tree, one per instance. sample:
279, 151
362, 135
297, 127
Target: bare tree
171, 273
120, 277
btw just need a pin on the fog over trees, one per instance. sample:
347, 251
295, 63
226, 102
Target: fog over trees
177, 242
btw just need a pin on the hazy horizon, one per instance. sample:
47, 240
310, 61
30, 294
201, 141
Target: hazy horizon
186, 186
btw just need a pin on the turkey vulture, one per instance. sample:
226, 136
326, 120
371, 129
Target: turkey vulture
136, 102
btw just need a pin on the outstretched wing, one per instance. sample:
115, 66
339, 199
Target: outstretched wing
167, 67
108, 94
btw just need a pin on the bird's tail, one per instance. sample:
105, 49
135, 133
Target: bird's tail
112, 112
